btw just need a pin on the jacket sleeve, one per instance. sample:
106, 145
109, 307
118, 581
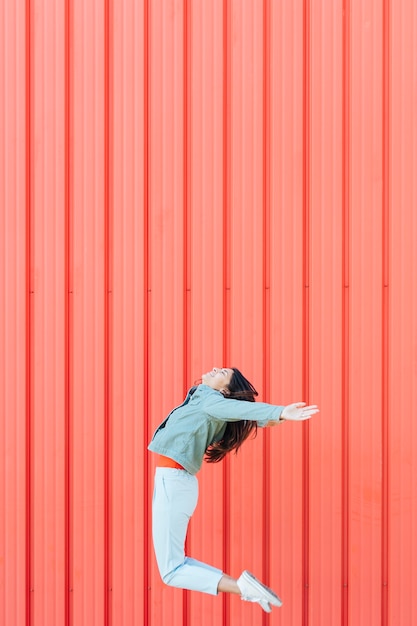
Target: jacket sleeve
229, 410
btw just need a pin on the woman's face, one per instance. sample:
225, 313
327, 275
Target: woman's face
219, 378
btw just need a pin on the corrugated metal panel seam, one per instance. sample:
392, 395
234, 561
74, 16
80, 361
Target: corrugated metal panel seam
266, 261
107, 313
146, 328
386, 172
68, 319
186, 222
226, 282
306, 299
345, 401
29, 293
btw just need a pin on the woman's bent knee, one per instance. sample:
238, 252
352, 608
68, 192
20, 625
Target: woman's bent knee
169, 577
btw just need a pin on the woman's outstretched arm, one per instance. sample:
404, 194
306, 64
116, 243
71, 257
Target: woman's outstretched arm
296, 412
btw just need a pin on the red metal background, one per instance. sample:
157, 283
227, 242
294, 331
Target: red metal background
185, 184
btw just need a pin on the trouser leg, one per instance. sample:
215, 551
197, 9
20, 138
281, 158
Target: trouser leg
174, 501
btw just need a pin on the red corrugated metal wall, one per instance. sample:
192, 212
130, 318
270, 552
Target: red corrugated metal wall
189, 183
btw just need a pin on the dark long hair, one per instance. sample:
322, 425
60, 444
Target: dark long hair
235, 434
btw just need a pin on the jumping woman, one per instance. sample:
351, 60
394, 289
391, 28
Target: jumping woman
215, 418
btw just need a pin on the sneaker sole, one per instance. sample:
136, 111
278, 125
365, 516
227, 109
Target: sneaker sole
273, 598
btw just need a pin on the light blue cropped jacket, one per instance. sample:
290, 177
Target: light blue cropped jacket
201, 420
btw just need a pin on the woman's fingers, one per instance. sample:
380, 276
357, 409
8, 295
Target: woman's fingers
299, 411
311, 409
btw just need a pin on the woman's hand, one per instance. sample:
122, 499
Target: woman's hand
298, 412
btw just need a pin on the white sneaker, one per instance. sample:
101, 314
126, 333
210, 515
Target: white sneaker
252, 590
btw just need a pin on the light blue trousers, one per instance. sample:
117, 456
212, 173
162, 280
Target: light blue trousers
174, 500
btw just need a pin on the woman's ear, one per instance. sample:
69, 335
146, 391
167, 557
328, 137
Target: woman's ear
225, 391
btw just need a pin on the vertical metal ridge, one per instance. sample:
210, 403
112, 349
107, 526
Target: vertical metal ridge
186, 278
186, 195
226, 288
306, 298
28, 446
386, 86
147, 539
346, 103
226, 169
266, 312
107, 307
186, 202
67, 322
